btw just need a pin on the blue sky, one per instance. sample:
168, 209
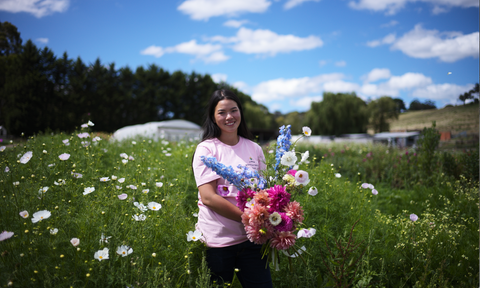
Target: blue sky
284, 53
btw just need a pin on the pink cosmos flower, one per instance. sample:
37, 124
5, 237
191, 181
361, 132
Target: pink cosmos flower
283, 240
64, 156
83, 135
75, 242
301, 178
24, 214
374, 191
223, 190
413, 217
306, 233
122, 196
292, 172
5, 235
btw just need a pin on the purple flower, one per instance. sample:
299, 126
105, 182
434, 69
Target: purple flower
122, 196
83, 135
286, 224
64, 156
243, 196
374, 191
413, 217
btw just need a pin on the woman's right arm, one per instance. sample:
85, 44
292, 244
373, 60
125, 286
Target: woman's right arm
217, 203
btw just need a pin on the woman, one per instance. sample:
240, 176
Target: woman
226, 137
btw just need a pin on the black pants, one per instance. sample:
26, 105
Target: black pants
247, 258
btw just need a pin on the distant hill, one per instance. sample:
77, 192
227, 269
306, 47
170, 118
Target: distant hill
450, 119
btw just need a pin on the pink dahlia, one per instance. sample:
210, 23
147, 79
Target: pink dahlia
283, 240
259, 235
279, 198
262, 198
243, 197
286, 224
294, 211
258, 215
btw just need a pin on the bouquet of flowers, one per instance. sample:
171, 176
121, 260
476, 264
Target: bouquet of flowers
269, 215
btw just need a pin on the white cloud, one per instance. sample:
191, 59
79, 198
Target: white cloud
292, 3
441, 91
38, 8
204, 9
409, 80
389, 24
377, 74
235, 23
394, 84
322, 63
278, 89
42, 40
447, 46
305, 102
219, 77
389, 39
242, 86
267, 42
391, 7
340, 86
341, 63
209, 53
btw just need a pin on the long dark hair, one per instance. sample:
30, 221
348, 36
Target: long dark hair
210, 128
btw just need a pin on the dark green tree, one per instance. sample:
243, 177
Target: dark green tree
417, 105
337, 114
381, 111
400, 105
10, 41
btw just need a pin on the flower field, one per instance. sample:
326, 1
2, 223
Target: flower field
81, 211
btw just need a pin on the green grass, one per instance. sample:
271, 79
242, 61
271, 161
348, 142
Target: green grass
392, 250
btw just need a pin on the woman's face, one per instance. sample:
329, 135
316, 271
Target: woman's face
227, 116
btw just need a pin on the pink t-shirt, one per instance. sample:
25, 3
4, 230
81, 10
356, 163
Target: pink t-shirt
217, 230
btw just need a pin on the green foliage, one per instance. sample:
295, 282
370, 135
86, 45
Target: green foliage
427, 144
417, 105
414, 253
337, 114
381, 110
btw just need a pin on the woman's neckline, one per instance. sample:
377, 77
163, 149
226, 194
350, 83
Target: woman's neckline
228, 144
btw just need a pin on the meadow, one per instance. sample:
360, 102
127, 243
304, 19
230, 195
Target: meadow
77, 195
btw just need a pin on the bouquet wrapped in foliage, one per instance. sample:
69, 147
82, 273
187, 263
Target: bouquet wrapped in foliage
270, 216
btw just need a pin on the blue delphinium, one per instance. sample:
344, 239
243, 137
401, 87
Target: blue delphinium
238, 179
283, 144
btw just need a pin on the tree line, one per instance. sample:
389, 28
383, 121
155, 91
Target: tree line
41, 92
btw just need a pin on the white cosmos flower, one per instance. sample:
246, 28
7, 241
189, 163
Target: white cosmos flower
365, 185
374, 191
43, 190
338, 175
124, 161
313, 191
41, 215
306, 233
114, 177
301, 178
104, 179
75, 242
2, 148
118, 187
101, 254
121, 180
104, 239
159, 184
289, 158
122, 196
60, 182
275, 218
54, 231
131, 158
194, 235
154, 206
140, 206
90, 123
26, 157
133, 187
307, 131
140, 217
124, 250
124, 155
88, 190
250, 203
16, 183
24, 214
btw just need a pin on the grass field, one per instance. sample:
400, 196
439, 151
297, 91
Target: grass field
454, 119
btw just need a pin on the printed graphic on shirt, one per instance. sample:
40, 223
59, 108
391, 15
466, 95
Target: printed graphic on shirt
252, 164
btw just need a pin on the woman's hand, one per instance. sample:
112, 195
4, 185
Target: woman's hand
217, 203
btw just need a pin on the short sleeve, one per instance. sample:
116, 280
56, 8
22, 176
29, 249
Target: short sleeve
202, 173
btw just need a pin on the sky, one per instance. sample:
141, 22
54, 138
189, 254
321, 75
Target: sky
283, 53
